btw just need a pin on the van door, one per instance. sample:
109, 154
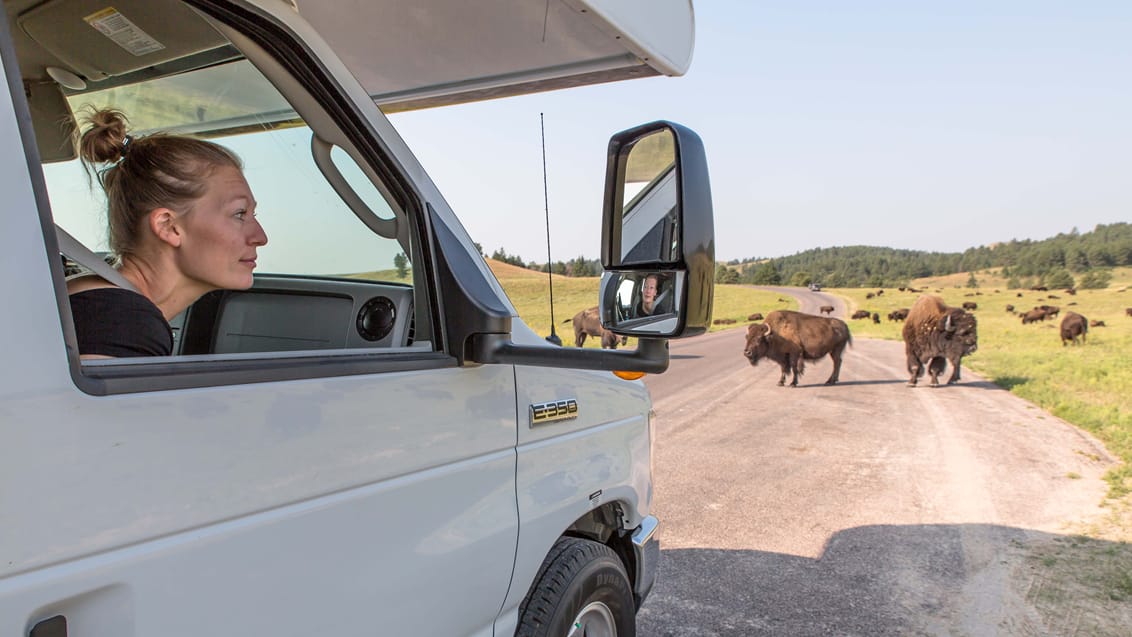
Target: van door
289, 471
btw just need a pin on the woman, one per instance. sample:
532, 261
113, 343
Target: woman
182, 223
648, 305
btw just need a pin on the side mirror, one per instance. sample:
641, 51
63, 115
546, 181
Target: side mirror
658, 243
657, 250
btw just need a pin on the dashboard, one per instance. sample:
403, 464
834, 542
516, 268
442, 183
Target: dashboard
282, 313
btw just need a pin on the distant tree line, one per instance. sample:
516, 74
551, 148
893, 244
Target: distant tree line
578, 266
1067, 260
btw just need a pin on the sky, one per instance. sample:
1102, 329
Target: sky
915, 125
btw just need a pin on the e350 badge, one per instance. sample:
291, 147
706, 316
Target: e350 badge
544, 413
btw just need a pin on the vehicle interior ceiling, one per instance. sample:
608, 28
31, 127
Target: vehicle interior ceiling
63, 56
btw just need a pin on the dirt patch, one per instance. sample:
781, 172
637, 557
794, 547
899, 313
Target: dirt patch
1080, 584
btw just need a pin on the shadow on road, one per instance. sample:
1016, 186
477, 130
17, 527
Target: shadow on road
880, 580
684, 356
894, 381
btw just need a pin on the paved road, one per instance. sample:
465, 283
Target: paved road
866, 508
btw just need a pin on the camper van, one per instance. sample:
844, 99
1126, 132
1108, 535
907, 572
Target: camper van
341, 446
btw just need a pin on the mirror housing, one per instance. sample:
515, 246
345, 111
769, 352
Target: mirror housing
658, 235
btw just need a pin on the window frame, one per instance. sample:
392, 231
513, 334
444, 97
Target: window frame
130, 375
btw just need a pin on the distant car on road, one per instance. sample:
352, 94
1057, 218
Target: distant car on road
814, 287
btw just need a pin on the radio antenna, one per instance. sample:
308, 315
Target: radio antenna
553, 338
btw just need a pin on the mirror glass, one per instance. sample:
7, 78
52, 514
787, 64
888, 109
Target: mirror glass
650, 231
642, 303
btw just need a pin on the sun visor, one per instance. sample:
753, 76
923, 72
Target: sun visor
146, 34
435, 52
52, 120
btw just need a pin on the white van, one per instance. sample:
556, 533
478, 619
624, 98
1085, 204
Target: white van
336, 450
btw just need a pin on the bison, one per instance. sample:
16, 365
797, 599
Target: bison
757, 316
876, 318
935, 333
1033, 316
588, 323
1010, 308
791, 338
970, 305
1097, 324
861, 314
1073, 326
826, 309
1050, 310
898, 315
1128, 311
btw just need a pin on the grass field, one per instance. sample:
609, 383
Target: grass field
1089, 386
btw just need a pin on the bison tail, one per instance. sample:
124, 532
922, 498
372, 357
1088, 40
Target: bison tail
567, 320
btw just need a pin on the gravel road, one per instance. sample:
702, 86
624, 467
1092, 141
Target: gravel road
865, 508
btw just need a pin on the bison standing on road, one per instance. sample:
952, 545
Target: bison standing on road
1073, 326
588, 323
933, 333
791, 338
826, 309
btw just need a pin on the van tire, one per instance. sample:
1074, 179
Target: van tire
580, 580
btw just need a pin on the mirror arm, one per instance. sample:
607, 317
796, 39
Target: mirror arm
651, 355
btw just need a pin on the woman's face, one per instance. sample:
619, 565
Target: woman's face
221, 233
648, 292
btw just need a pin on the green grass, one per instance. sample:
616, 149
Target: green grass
1089, 386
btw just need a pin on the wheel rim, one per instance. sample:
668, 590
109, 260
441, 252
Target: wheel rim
595, 620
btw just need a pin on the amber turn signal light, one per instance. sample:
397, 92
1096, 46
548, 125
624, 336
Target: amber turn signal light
629, 375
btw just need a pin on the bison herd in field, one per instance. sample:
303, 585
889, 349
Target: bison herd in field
934, 333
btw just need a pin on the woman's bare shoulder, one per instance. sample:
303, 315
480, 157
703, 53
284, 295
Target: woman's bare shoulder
84, 282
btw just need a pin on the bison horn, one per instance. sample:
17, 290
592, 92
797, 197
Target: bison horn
947, 324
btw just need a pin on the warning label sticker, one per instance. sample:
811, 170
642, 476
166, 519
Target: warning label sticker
124, 33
